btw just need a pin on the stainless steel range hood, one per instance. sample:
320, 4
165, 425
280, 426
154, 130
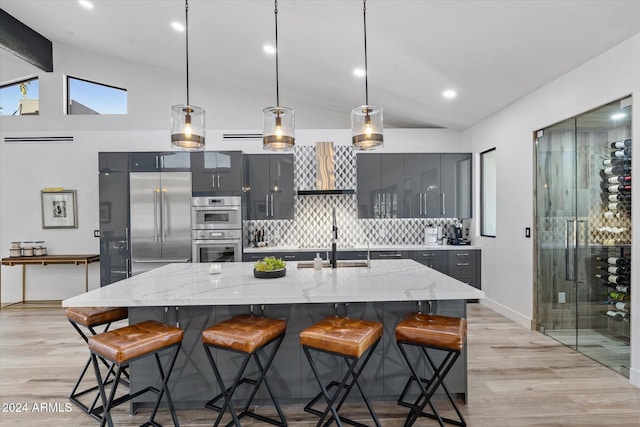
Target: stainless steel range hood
325, 173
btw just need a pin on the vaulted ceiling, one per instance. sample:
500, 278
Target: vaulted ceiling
491, 52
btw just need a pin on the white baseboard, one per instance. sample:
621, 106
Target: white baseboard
634, 377
507, 312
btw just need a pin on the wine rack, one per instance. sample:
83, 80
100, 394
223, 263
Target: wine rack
613, 266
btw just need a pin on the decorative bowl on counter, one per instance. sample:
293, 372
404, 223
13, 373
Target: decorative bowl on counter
272, 274
269, 268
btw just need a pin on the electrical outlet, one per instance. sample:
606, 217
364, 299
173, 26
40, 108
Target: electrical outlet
96, 233
562, 298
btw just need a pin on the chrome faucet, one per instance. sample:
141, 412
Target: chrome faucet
334, 241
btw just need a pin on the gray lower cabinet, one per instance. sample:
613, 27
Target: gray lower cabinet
192, 382
464, 265
438, 260
286, 256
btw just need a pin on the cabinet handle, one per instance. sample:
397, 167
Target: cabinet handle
272, 205
425, 204
463, 254
161, 162
213, 181
157, 164
289, 257
442, 201
218, 181
362, 256
428, 255
389, 255
267, 202
462, 264
420, 203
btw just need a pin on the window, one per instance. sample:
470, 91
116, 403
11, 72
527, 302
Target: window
20, 98
86, 97
488, 193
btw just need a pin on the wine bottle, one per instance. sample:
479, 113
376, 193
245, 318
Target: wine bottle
617, 170
622, 306
619, 197
619, 261
616, 162
617, 188
618, 206
618, 315
619, 296
619, 179
626, 152
611, 215
620, 271
614, 279
621, 144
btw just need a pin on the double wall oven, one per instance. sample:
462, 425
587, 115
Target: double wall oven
216, 229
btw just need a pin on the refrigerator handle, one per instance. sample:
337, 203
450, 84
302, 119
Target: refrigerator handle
155, 214
164, 214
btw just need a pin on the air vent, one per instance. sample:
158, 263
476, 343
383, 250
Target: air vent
19, 139
241, 136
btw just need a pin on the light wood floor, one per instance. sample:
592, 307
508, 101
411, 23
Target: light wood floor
516, 378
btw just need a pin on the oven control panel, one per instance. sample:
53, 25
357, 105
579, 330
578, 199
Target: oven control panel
216, 234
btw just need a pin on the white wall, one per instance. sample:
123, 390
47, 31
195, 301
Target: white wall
507, 270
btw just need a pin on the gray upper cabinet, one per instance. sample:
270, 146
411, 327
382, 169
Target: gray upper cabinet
414, 185
160, 161
268, 184
455, 185
381, 186
217, 173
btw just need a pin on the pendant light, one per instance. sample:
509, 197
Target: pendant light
278, 123
366, 120
187, 121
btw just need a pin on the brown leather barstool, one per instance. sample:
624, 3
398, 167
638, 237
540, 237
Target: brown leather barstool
353, 340
82, 318
127, 344
445, 334
248, 335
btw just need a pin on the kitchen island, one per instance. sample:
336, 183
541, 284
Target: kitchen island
188, 296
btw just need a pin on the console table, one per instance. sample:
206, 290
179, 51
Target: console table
46, 260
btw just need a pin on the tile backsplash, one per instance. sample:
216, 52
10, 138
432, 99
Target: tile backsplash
311, 226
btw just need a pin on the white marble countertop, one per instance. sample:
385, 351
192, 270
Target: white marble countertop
192, 285
363, 248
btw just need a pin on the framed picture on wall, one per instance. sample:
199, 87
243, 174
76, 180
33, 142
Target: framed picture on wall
59, 209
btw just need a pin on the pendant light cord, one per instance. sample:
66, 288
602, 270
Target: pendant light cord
277, 79
366, 72
186, 21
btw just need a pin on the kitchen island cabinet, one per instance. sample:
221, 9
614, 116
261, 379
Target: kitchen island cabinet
187, 295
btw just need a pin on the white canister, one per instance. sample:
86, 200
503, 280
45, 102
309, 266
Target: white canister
27, 249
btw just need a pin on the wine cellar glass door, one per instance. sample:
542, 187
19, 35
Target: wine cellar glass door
583, 233
557, 231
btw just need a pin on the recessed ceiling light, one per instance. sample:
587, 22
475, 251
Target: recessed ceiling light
86, 4
449, 94
177, 26
358, 72
269, 49
618, 116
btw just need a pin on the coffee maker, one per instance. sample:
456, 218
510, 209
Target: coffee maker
455, 236
431, 235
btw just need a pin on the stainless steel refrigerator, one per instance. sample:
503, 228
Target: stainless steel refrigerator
160, 208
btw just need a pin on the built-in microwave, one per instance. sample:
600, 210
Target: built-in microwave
214, 213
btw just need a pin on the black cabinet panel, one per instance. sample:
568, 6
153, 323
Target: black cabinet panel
159, 161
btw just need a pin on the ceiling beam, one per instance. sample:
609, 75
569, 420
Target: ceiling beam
25, 43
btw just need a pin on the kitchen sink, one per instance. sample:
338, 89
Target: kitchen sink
341, 264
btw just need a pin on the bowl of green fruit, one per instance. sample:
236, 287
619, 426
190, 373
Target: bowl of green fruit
269, 268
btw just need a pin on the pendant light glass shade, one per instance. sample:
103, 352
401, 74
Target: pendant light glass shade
187, 121
366, 120
278, 127
187, 127
366, 127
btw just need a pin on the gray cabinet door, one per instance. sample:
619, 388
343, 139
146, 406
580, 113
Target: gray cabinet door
392, 186
217, 173
413, 193
115, 257
455, 185
436, 259
430, 185
368, 170
268, 186
159, 161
